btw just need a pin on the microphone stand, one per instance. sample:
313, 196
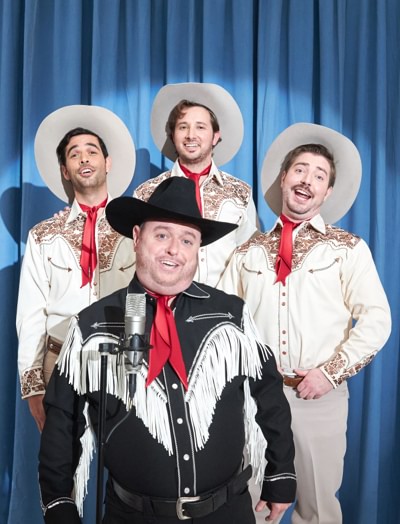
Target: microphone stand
104, 349
135, 346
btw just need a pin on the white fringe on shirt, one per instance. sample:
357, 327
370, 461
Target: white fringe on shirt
226, 352
82, 472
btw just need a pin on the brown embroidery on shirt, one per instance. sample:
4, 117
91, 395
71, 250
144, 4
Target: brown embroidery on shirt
125, 268
32, 381
47, 231
336, 261
306, 240
145, 190
338, 371
109, 241
50, 261
214, 193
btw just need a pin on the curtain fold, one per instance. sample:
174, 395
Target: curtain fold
332, 62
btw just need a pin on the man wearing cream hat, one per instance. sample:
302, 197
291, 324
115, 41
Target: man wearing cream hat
200, 127
75, 258
317, 299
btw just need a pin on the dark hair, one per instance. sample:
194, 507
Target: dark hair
316, 149
62, 146
179, 110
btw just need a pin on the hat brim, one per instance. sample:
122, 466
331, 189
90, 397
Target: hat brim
124, 213
101, 121
215, 98
347, 163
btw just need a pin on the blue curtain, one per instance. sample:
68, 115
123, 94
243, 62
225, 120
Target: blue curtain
333, 62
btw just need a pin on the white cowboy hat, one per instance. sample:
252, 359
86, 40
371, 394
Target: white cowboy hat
101, 121
213, 96
347, 162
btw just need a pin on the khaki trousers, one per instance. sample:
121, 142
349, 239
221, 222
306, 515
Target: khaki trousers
48, 365
319, 429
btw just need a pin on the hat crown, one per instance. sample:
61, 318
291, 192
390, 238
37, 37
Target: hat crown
177, 195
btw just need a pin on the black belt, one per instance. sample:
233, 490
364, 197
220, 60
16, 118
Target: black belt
185, 507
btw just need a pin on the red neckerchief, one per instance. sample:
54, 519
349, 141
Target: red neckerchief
165, 342
196, 179
89, 253
283, 266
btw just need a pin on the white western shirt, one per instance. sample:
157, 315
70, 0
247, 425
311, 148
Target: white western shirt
50, 289
332, 313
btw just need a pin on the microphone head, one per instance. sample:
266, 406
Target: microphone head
135, 314
135, 305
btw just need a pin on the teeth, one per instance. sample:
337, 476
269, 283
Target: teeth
299, 192
167, 263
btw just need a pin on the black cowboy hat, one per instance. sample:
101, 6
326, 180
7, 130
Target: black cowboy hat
175, 200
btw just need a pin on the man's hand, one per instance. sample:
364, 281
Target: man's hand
314, 384
37, 410
276, 509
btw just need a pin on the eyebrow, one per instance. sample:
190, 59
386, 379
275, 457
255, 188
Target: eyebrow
91, 144
186, 232
308, 165
179, 122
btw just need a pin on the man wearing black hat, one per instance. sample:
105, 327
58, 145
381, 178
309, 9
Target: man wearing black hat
317, 300
173, 447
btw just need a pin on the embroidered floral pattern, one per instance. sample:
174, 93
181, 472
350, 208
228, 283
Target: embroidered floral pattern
337, 367
306, 240
214, 193
46, 231
145, 190
32, 381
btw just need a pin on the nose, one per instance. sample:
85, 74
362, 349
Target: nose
306, 178
84, 159
172, 248
190, 131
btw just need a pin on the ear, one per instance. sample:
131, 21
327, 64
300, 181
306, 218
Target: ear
64, 173
328, 193
283, 176
216, 138
108, 164
135, 236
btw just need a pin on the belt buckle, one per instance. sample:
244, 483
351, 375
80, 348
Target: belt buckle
180, 511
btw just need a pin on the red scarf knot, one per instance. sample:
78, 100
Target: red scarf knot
196, 179
89, 252
283, 266
165, 342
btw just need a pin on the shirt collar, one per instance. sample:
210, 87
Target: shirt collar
194, 290
316, 222
214, 172
76, 210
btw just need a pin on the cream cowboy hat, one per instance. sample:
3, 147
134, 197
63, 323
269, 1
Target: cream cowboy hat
347, 162
215, 98
101, 121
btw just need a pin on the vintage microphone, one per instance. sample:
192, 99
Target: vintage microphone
133, 343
